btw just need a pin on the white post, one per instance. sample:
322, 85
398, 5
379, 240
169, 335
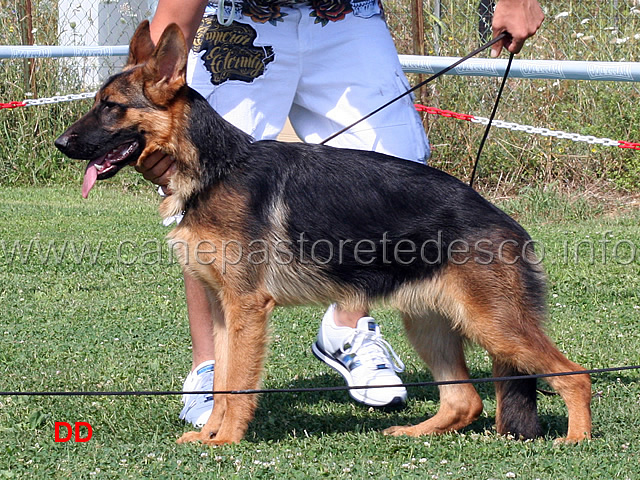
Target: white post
436, 26
103, 22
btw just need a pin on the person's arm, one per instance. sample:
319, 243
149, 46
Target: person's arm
520, 18
187, 14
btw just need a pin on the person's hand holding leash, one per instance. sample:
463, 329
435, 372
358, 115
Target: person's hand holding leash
158, 169
520, 18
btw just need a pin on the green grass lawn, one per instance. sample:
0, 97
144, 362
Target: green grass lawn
105, 311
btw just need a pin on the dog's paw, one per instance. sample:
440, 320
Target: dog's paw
401, 430
571, 440
206, 438
191, 437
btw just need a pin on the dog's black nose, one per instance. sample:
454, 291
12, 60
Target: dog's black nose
62, 142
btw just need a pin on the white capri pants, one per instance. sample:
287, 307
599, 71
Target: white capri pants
323, 76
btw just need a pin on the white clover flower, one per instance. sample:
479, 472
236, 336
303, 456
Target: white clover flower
619, 41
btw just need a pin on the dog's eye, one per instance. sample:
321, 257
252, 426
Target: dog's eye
109, 105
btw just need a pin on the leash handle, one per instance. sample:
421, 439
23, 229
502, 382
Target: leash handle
501, 36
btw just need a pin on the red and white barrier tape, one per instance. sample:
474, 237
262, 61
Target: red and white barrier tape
575, 137
12, 105
30, 102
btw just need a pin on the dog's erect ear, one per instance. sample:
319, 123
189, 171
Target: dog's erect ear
141, 47
165, 72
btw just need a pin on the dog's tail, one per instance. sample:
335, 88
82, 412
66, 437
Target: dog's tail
517, 411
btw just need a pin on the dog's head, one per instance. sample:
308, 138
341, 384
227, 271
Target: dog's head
134, 110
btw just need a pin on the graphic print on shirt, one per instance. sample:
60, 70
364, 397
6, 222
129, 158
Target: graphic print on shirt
229, 52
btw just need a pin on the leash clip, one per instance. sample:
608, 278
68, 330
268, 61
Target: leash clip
220, 13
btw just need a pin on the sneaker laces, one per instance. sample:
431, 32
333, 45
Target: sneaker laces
371, 347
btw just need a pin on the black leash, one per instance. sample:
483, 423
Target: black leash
430, 79
493, 114
472, 381
433, 77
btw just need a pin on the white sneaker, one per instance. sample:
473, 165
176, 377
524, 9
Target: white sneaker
363, 358
198, 406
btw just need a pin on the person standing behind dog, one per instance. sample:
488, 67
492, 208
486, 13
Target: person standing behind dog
324, 64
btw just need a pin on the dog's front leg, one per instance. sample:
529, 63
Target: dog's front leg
221, 341
241, 348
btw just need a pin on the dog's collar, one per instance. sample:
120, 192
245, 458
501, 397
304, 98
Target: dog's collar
177, 218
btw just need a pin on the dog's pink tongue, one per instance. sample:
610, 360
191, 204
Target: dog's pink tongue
90, 177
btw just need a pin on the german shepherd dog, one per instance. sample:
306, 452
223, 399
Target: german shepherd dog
269, 223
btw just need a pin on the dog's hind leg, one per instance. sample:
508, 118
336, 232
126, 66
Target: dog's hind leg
246, 318
509, 327
441, 348
516, 409
534, 352
575, 390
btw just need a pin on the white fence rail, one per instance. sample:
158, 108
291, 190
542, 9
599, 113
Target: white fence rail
479, 67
